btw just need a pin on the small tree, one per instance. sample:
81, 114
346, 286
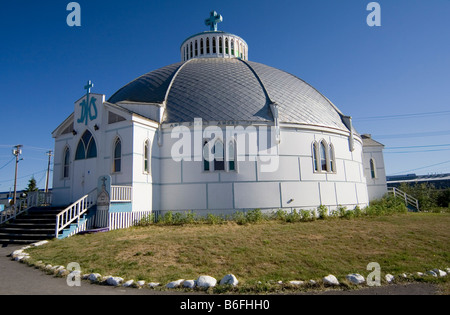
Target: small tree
32, 185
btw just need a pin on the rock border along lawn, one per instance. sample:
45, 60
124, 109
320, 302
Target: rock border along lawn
203, 282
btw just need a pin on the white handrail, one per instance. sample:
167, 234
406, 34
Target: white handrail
409, 200
75, 211
33, 199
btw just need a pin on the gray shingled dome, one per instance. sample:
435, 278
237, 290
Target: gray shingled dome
219, 89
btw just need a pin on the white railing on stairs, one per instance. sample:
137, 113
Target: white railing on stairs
33, 199
74, 212
409, 200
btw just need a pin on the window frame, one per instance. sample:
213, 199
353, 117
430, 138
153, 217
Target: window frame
66, 166
86, 147
323, 157
211, 166
117, 168
147, 157
373, 168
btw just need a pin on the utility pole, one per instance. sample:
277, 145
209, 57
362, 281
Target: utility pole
49, 153
17, 150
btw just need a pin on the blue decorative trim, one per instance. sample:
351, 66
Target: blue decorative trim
120, 207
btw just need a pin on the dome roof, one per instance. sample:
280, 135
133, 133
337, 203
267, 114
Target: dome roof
221, 89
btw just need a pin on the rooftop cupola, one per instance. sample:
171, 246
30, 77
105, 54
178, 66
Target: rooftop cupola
214, 43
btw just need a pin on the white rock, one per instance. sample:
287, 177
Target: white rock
141, 283
16, 253
21, 256
330, 280
389, 278
189, 284
94, 276
128, 283
153, 284
432, 273
114, 281
229, 279
296, 282
206, 282
355, 278
39, 243
280, 282
174, 284
49, 267
440, 272
312, 282
61, 271
419, 274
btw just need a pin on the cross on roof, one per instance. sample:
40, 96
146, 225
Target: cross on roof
213, 19
89, 86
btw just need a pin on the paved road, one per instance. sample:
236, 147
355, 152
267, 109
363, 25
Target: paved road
20, 279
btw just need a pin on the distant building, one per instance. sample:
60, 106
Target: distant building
439, 181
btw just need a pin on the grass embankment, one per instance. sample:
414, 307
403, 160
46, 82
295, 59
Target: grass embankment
265, 251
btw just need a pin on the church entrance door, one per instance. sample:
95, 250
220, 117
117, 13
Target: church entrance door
85, 178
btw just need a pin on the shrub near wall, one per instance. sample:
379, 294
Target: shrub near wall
429, 197
385, 206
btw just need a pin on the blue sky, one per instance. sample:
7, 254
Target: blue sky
394, 80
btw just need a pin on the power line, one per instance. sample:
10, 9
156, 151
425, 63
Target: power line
404, 116
421, 168
24, 176
418, 146
413, 135
416, 151
7, 163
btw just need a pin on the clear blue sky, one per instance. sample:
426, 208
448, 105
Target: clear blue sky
400, 70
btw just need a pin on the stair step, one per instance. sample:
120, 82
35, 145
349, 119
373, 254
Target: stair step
39, 216
16, 242
35, 237
35, 224
29, 226
19, 230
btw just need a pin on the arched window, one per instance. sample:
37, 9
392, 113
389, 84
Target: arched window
323, 156
332, 159
373, 169
201, 46
206, 156
316, 156
214, 45
232, 47
66, 162
231, 156
196, 49
219, 164
147, 157
117, 160
220, 45
207, 45
86, 148
191, 50
226, 46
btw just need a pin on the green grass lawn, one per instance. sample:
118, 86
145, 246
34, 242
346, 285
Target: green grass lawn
266, 251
